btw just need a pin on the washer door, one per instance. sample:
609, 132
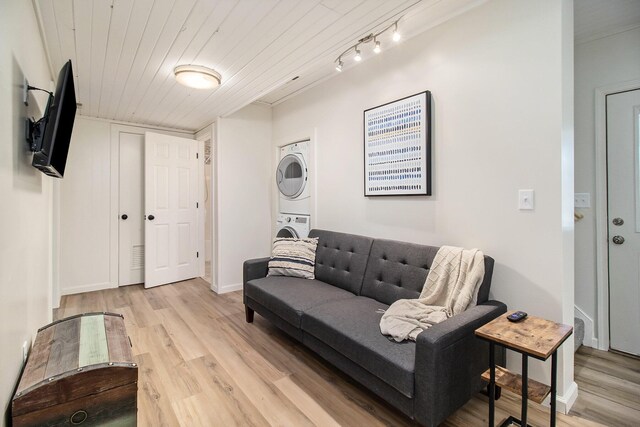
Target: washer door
287, 231
291, 176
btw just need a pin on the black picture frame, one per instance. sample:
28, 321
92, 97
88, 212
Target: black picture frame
403, 167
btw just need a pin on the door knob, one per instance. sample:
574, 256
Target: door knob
618, 240
618, 221
124, 216
151, 217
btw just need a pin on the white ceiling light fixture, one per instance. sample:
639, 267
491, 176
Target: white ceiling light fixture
372, 37
197, 76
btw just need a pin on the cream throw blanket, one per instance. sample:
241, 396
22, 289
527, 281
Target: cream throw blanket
452, 286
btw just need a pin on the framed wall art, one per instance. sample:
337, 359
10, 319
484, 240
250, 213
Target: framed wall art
397, 147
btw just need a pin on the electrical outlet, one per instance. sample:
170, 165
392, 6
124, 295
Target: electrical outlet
25, 351
582, 200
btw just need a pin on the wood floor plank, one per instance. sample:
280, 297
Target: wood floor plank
195, 411
308, 405
201, 364
223, 389
173, 370
154, 396
143, 312
181, 334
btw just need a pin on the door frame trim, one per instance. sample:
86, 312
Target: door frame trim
601, 204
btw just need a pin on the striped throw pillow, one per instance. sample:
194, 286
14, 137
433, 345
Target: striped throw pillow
293, 257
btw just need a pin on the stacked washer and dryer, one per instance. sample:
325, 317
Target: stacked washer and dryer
294, 202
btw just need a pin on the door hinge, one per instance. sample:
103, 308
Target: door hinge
197, 155
197, 205
197, 254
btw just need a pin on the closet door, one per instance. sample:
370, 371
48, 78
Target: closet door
130, 208
171, 213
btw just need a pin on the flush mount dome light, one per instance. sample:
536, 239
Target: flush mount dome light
197, 76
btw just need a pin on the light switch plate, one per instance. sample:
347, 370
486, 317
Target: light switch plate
582, 200
525, 200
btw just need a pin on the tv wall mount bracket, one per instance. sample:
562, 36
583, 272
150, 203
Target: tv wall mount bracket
34, 128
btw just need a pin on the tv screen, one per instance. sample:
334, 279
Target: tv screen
58, 124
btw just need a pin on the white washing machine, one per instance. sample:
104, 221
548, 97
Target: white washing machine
293, 226
292, 179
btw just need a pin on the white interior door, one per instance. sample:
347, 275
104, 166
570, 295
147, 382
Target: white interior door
130, 208
623, 168
171, 168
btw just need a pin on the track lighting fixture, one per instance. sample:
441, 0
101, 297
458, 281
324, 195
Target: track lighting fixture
372, 37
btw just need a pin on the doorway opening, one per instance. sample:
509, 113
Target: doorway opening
622, 111
617, 222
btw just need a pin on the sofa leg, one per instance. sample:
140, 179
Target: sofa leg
248, 312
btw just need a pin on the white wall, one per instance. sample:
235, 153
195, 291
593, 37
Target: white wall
605, 61
25, 216
243, 177
503, 110
85, 209
88, 207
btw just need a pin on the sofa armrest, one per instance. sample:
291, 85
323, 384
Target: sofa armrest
254, 269
449, 362
453, 329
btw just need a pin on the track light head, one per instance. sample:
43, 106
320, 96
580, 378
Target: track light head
339, 66
377, 48
396, 35
358, 57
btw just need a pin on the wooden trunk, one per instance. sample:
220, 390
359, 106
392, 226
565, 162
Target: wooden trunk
80, 372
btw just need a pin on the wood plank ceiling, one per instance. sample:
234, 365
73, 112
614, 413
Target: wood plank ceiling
124, 51
599, 18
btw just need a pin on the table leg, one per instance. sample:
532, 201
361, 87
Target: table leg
525, 389
554, 376
492, 383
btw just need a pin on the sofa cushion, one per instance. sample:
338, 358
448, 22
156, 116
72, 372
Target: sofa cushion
289, 297
341, 259
352, 328
397, 270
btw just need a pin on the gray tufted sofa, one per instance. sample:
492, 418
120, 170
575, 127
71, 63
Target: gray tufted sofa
337, 315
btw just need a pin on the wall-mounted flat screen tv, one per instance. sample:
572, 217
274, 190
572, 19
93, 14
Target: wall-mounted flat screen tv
51, 158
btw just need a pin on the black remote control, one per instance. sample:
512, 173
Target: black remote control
517, 316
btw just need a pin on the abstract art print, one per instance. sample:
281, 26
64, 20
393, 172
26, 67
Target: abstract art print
397, 147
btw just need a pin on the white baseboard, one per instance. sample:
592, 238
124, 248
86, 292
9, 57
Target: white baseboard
565, 401
86, 288
589, 337
226, 288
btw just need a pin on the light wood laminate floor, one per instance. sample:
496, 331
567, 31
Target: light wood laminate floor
200, 364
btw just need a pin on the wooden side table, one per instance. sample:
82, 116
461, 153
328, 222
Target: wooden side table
531, 337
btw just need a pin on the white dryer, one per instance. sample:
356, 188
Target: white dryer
293, 226
292, 179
